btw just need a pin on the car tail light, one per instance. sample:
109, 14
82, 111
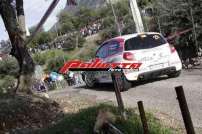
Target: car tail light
172, 49
128, 56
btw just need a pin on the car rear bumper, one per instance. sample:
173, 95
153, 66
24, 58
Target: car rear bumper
150, 74
156, 73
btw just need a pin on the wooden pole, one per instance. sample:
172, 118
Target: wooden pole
117, 80
143, 117
184, 110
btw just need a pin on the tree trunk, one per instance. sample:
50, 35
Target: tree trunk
15, 26
21, 17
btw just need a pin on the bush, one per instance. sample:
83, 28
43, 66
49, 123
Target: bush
9, 66
88, 55
108, 33
42, 58
6, 84
81, 41
56, 63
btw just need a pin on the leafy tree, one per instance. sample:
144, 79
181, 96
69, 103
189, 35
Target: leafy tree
122, 8
12, 13
33, 28
180, 15
86, 16
41, 38
81, 41
108, 22
108, 33
67, 27
125, 20
66, 21
44, 37
144, 3
69, 43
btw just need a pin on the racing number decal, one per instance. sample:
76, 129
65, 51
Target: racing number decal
156, 37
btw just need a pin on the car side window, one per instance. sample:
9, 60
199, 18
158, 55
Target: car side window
103, 51
114, 48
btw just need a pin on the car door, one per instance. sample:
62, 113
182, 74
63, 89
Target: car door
103, 53
114, 52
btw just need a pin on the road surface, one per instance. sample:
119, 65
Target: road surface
158, 96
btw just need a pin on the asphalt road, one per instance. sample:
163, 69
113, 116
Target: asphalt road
158, 95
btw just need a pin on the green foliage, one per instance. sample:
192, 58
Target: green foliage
108, 21
129, 27
66, 21
42, 58
8, 72
84, 121
125, 19
109, 33
144, 3
86, 57
42, 38
86, 16
6, 84
52, 59
69, 22
176, 16
67, 27
70, 43
122, 8
81, 41
54, 64
8, 66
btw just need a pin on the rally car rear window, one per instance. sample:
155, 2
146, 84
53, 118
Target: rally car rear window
144, 42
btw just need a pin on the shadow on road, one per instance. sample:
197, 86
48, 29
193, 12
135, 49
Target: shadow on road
144, 82
99, 87
110, 87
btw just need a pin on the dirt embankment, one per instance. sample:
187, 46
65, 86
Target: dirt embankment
24, 113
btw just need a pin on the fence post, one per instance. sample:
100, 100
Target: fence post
118, 85
143, 117
184, 110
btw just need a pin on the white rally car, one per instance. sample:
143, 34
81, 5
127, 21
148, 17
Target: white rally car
151, 49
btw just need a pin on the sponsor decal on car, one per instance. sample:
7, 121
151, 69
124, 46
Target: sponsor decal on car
96, 65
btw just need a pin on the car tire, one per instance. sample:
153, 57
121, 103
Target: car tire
174, 74
126, 84
89, 80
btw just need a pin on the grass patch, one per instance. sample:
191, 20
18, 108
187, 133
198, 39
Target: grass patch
83, 122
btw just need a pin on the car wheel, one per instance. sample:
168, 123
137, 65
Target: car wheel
89, 80
174, 74
123, 83
126, 84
